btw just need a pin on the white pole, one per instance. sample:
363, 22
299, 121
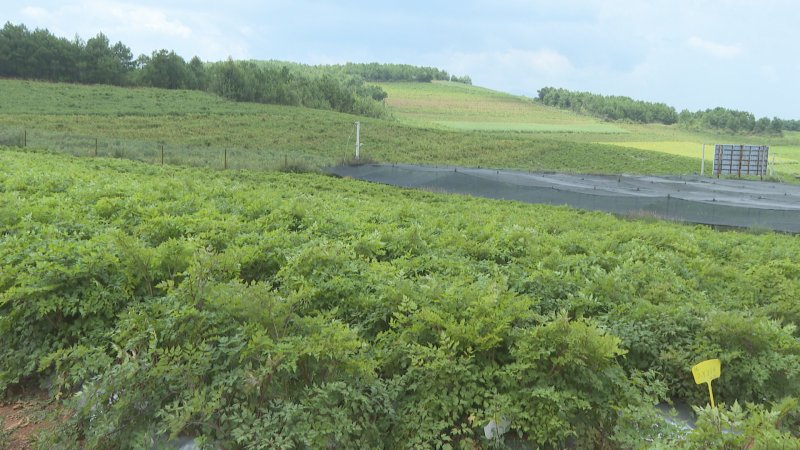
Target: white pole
773, 164
358, 138
703, 162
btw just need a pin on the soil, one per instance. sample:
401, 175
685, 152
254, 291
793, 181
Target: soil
23, 419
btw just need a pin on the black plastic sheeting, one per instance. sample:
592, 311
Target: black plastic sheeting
730, 203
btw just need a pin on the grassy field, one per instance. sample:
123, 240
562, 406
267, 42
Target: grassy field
197, 128
532, 127
682, 148
787, 157
434, 123
42, 98
456, 106
461, 107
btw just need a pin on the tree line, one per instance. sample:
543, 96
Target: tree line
40, 55
373, 72
724, 119
625, 108
397, 72
608, 107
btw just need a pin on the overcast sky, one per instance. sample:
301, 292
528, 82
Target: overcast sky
693, 54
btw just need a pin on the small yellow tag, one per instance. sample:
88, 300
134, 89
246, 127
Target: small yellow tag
706, 371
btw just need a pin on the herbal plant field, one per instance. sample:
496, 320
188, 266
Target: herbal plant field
252, 309
271, 310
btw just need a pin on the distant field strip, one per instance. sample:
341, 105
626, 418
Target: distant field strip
680, 148
789, 153
787, 158
532, 127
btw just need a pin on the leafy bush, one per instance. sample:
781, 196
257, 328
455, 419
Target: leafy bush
751, 427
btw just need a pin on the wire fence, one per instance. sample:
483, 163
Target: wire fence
231, 157
163, 153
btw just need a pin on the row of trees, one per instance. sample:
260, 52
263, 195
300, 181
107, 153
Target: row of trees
625, 108
608, 107
373, 72
251, 82
723, 119
39, 54
398, 72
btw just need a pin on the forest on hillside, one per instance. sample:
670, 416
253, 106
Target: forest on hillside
373, 72
612, 107
40, 55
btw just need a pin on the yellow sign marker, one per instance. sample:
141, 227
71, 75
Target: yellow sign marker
706, 371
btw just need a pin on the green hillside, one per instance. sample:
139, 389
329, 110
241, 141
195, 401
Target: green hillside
463, 107
196, 128
434, 123
456, 106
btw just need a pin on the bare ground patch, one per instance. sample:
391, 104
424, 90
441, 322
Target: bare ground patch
22, 419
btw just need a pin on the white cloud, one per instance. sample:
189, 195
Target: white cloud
218, 48
145, 26
34, 12
247, 31
715, 49
133, 18
770, 72
512, 70
544, 62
